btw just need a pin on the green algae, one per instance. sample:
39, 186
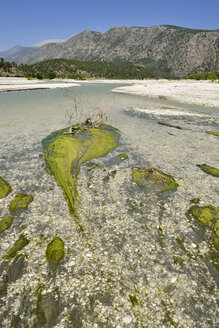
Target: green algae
123, 156
208, 216
5, 188
18, 245
195, 201
204, 214
213, 133
5, 223
55, 251
20, 202
133, 300
209, 169
64, 154
165, 181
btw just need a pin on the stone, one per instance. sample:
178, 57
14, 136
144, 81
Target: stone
5, 188
20, 202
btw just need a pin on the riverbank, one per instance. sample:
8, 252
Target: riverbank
203, 93
18, 84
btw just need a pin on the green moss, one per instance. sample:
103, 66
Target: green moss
177, 260
5, 188
123, 156
39, 312
5, 223
195, 201
55, 251
18, 245
158, 177
133, 300
205, 214
20, 202
209, 169
216, 227
65, 153
213, 133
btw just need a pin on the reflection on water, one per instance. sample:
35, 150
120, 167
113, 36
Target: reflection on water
142, 263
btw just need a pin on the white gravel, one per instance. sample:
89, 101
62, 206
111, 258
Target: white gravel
204, 93
18, 84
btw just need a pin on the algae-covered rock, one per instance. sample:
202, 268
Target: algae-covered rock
162, 180
209, 169
5, 223
3, 289
123, 156
18, 245
213, 133
204, 214
55, 252
47, 309
5, 188
64, 153
20, 202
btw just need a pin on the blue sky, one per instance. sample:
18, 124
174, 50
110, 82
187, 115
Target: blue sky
26, 22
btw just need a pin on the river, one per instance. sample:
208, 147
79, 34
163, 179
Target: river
143, 262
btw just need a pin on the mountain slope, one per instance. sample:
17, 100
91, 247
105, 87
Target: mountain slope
181, 50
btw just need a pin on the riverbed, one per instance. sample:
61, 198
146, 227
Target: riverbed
143, 263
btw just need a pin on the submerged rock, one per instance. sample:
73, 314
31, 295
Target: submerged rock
209, 216
15, 270
209, 169
55, 252
64, 153
5, 223
5, 188
18, 245
47, 309
20, 202
162, 180
123, 156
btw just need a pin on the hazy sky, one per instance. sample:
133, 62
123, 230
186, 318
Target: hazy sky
26, 22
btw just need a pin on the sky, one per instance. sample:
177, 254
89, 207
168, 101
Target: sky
27, 22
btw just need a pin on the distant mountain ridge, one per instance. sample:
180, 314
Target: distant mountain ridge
180, 50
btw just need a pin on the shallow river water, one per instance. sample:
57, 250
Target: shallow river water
143, 263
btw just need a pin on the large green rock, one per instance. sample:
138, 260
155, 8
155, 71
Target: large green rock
5, 188
64, 153
162, 180
20, 202
209, 169
5, 223
18, 245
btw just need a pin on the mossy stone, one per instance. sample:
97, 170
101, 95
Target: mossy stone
18, 245
5, 223
204, 214
209, 169
158, 177
55, 251
5, 188
213, 133
216, 227
20, 202
47, 309
64, 153
123, 156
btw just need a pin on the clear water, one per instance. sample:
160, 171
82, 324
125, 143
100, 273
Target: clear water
124, 273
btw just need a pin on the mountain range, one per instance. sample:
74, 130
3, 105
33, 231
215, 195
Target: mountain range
177, 50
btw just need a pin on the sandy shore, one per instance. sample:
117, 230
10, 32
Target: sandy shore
19, 84
204, 93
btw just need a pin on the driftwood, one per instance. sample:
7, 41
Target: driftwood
171, 126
